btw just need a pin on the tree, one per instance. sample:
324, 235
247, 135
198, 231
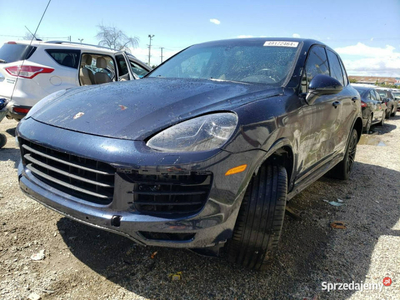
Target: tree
28, 36
114, 38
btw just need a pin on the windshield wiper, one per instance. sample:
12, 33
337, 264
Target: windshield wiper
2, 61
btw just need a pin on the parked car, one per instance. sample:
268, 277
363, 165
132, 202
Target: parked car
29, 72
373, 109
390, 101
396, 95
204, 152
3, 112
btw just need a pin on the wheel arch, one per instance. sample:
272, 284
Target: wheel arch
280, 153
358, 125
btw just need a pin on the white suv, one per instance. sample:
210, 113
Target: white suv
29, 72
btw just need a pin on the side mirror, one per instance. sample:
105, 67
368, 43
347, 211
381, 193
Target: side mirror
322, 85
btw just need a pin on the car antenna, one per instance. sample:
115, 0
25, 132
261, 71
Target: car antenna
32, 34
30, 44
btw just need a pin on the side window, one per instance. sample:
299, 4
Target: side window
96, 69
121, 64
317, 63
372, 95
64, 57
346, 80
336, 69
378, 97
137, 69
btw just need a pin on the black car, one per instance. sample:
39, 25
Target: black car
373, 109
203, 152
389, 100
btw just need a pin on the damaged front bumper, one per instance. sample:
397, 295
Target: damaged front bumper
211, 224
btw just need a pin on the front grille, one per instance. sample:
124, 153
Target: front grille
168, 195
83, 178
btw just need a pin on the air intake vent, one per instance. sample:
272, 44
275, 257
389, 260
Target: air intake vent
169, 195
83, 178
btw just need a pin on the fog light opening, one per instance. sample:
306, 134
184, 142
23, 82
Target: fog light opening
116, 221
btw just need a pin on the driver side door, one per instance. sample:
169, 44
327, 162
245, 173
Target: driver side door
320, 119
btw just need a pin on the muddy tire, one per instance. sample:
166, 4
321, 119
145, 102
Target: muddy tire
393, 114
343, 169
368, 125
387, 114
259, 223
382, 122
3, 140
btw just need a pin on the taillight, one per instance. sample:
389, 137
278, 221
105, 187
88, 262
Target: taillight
363, 104
21, 110
27, 71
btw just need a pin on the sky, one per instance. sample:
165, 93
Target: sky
365, 33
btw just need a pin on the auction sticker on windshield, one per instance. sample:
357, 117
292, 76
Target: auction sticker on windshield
281, 44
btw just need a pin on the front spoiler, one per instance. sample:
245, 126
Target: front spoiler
209, 231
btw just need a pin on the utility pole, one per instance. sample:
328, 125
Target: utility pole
151, 37
69, 38
162, 48
80, 40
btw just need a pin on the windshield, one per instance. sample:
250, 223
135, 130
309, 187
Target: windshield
253, 63
13, 52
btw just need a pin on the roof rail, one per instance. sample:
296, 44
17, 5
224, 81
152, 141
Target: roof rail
76, 43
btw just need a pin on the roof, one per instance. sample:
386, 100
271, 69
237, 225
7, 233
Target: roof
244, 41
67, 44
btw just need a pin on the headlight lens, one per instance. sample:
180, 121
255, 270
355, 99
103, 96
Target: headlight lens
199, 134
44, 102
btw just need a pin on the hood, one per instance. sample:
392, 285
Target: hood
137, 109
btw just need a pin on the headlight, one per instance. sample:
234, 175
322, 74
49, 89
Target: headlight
199, 134
42, 103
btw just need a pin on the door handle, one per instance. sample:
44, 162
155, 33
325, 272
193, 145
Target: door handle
336, 104
354, 99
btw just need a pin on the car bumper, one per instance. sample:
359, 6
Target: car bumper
212, 225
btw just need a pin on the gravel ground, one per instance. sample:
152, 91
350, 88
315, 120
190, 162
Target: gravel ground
85, 263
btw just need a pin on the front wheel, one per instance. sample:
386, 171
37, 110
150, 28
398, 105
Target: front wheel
3, 140
343, 169
259, 223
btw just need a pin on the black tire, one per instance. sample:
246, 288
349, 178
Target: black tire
368, 125
3, 140
343, 169
387, 116
393, 114
259, 223
382, 122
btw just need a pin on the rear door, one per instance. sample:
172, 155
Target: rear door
124, 71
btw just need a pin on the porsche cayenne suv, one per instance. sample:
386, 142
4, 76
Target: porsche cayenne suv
202, 153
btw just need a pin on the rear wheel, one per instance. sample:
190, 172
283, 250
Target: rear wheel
382, 122
3, 140
368, 125
394, 112
259, 223
387, 114
343, 169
